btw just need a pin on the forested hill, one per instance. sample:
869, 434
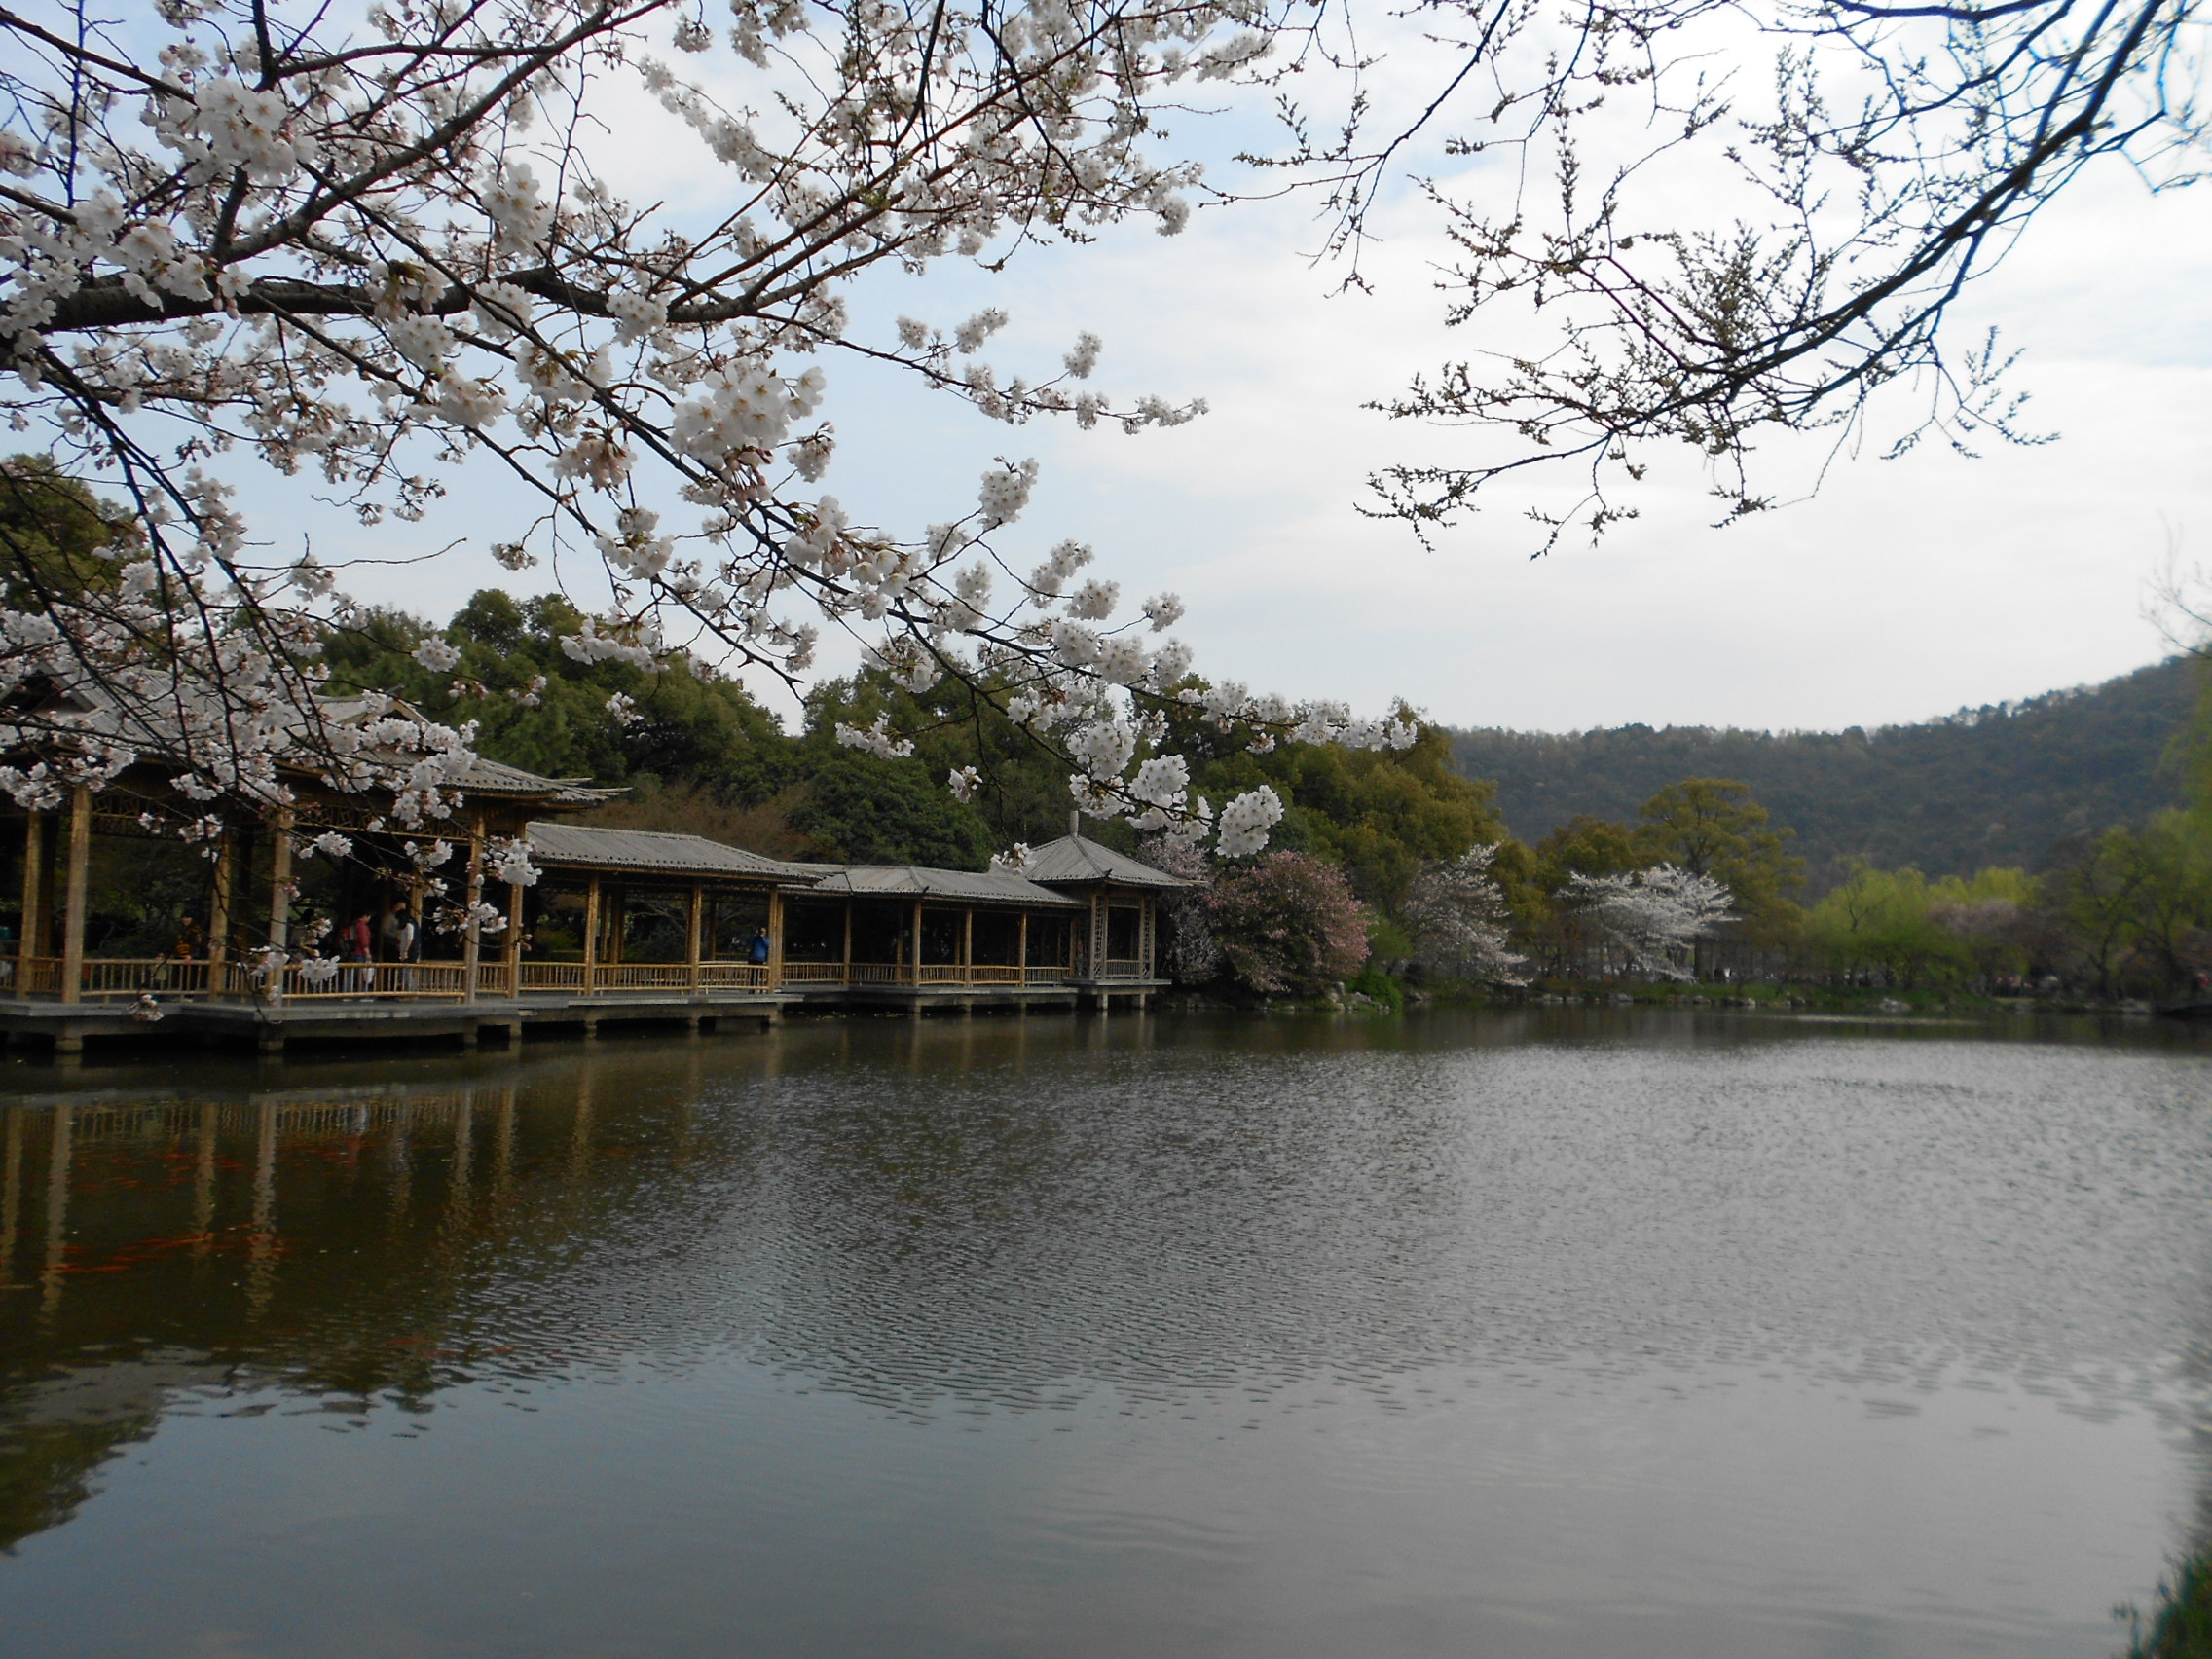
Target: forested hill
1988, 786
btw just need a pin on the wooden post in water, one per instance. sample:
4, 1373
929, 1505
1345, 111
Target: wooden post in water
73, 903
34, 898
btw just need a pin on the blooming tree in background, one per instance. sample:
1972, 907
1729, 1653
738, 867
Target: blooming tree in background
1288, 923
1458, 921
376, 247
1653, 917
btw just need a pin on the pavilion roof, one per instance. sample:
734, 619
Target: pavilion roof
1073, 860
661, 851
919, 881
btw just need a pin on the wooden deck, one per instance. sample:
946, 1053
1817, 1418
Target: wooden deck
429, 1002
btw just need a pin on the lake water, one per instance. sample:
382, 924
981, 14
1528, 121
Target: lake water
1564, 1334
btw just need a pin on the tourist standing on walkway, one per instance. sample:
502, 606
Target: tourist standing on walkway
354, 945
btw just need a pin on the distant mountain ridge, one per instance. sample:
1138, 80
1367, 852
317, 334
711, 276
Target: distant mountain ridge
2001, 785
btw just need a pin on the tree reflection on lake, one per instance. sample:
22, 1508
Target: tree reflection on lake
1570, 1332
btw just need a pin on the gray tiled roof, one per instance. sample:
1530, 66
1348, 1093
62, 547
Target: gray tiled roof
658, 850
1071, 859
492, 777
916, 881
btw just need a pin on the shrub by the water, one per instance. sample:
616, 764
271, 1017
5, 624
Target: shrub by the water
2181, 1626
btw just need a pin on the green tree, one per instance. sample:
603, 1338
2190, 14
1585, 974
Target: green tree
540, 709
58, 539
1713, 827
1883, 922
858, 809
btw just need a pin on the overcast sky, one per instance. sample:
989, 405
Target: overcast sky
1904, 589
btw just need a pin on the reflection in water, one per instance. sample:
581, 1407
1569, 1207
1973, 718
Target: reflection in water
1566, 1331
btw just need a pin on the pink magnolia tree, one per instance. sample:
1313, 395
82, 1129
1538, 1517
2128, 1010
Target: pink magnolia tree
1288, 924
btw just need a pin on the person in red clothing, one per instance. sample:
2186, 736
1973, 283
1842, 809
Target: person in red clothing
354, 943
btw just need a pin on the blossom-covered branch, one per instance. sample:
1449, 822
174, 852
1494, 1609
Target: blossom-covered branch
379, 251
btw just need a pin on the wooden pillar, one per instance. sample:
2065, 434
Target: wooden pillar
281, 903
968, 945
73, 903
511, 948
691, 943
471, 934
34, 898
848, 942
219, 913
776, 938
279, 883
591, 934
1021, 948
917, 941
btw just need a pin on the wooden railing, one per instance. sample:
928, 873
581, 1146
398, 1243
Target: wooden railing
121, 976
934, 973
733, 976
111, 978
553, 977
34, 977
441, 982
105, 977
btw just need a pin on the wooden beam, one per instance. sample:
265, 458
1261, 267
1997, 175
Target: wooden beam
691, 943
1022, 949
917, 941
73, 906
968, 942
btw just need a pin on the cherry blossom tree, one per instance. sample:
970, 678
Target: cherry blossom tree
1701, 224
1459, 923
377, 246
1653, 917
